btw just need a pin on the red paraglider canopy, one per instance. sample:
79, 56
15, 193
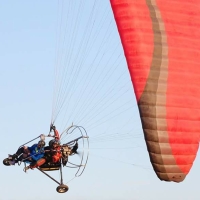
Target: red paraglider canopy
162, 48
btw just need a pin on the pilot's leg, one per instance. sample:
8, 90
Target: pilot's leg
17, 154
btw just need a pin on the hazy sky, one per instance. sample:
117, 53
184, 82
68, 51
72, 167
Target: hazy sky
63, 61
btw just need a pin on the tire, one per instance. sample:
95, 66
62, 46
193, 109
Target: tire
62, 188
6, 162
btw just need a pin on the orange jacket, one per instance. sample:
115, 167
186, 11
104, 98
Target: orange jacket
56, 155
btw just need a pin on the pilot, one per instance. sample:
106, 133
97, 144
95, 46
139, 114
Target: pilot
53, 154
30, 154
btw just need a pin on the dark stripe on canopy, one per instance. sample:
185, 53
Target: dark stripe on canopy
152, 104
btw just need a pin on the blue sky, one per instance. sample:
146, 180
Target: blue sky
53, 52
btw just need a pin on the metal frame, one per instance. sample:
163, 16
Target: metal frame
81, 129
61, 173
42, 136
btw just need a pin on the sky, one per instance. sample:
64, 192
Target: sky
62, 62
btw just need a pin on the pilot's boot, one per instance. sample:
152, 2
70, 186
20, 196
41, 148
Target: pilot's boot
12, 157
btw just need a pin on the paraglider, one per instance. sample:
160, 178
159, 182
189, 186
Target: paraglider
162, 51
161, 45
53, 157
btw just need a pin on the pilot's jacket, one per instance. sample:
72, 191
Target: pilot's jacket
35, 152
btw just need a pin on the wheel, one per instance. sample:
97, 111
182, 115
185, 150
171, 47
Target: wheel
62, 188
6, 162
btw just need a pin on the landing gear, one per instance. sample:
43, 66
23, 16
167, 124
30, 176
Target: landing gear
62, 188
9, 162
6, 162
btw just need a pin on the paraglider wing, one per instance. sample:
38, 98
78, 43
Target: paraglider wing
162, 48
